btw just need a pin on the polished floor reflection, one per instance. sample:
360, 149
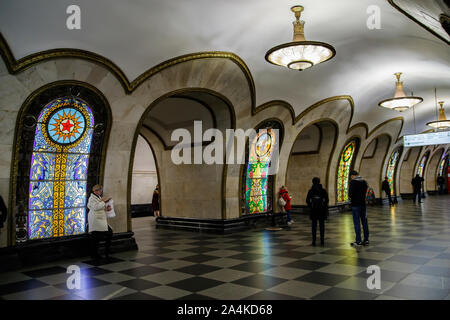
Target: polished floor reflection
409, 242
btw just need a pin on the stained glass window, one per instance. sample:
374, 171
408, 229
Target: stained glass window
344, 168
392, 165
422, 163
442, 164
257, 178
58, 171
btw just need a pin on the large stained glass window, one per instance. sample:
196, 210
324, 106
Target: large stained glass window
344, 168
442, 164
390, 172
423, 161
59, 167
257, 177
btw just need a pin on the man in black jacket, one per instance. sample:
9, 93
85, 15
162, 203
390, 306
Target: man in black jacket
417, 187
317, 201
387, 189
357, 194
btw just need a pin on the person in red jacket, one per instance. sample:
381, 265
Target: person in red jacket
287, 207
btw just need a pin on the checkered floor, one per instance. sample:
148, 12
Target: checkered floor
409, 242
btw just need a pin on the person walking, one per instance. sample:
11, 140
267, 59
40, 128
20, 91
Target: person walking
155, 201
387, 189
284, 194
417, 187
98, 225
317, 201
357, 194
441, 184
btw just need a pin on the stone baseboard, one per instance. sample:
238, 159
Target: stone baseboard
49, 250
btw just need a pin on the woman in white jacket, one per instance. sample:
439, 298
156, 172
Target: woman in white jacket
98, 225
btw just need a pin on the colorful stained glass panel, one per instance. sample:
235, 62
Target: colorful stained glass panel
40, 224
390, 173
74, 221
343, 176
41, 195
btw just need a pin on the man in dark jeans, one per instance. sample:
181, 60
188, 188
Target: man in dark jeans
441, 184
417, 187
357, 194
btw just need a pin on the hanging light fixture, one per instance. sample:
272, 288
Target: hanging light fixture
442, 122
400, 102
300, 54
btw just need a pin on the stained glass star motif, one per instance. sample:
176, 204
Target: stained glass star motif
66, 124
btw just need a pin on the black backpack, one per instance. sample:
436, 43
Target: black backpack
317, 202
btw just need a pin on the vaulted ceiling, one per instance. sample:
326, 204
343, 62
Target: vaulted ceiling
139, 34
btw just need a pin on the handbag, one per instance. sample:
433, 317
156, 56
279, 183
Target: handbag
281, 202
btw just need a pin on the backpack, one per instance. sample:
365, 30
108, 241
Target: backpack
370, 196
317, 202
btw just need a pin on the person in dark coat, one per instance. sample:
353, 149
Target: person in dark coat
387, 189
417, 187
357, 194
3, 212
155, 201
317, 201
441, 183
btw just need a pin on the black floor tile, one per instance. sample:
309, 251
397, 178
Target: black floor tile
383, 250
199, 258
306, 265
200, 250
326, 279
344, 294
138, 284
443, 256
197, 269
248, 256
45, 272
150, 260
142, 271
20, 286
94, 271
260, 281
254, 267
103, 261
196, 284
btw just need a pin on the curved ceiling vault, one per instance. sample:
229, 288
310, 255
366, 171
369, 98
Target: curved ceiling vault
138, 35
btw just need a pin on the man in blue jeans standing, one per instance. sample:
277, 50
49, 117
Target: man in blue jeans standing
357, 194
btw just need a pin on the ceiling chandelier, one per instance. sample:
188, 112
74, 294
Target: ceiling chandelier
442, 122
300, 54
400, 102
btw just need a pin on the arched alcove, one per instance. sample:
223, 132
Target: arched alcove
432, 170
372, 162
310, 157
346, 163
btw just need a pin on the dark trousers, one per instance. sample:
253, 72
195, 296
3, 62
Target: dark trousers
388, 193
441, 189
360, 216
321, 227
97, 236
417, 193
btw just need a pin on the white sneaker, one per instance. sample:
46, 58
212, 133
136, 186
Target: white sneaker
289, 222
292, 221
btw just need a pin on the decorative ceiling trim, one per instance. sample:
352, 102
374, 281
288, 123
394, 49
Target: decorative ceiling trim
15, 66
392, 3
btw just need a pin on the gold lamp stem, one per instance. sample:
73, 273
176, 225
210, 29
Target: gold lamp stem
299, 25
442, 116
399, 93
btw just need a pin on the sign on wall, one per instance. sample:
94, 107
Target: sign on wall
425, 139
